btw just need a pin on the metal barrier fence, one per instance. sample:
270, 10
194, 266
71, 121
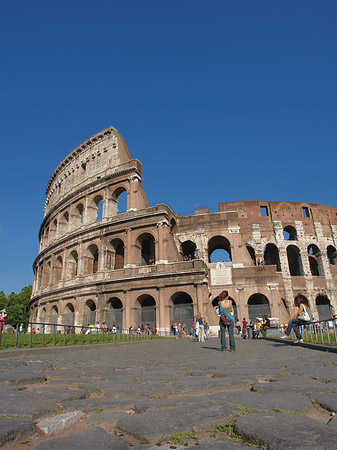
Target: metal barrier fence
321, 332
46, 334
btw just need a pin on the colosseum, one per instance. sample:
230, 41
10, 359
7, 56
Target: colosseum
105, 255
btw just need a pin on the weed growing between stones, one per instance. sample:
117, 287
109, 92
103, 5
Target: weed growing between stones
243, 408
179, 438
117, 431
57, 411
284, 411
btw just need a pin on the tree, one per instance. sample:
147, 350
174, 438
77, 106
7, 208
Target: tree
16, 305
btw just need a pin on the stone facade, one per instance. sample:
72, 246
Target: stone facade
143, 265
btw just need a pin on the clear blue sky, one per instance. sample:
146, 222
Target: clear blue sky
220, 100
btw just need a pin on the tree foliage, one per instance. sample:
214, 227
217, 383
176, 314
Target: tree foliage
16, 305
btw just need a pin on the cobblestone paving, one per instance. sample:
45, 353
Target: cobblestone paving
171, 394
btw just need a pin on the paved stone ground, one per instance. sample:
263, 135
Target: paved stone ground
171, 394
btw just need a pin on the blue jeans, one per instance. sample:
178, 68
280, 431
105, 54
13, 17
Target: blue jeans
295, 324
223, 336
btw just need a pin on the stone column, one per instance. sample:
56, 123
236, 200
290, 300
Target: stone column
133, 191
127, 309
160, 251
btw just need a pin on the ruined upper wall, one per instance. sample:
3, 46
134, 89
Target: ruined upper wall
103, 154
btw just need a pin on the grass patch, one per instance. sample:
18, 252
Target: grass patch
243, 408
180, 438
284, 411
8, 341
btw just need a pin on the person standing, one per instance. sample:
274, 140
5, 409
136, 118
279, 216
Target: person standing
226, 307
265, 325
244, 328
201, 335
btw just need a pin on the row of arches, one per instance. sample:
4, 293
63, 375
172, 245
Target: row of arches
84, 212
271, 257
180, 310
258, 306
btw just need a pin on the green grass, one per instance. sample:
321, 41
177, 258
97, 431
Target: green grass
179, 438
8, 340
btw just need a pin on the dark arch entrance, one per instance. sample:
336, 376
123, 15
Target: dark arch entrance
323, 307
182, 310
69, 315
146, 312
114, 315
89, 317
258, 306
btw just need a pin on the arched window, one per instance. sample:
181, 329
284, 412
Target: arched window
290, 233
63, 223
118, 254
120, 200
98, 202
258, 306
188, 249
69, 315
314, 256
72, 264
78, 215
251, 252
146, 311
92, 259
332, 255
294, 261
271, 256
114, 315
147, 249
173, 224
219, 249
54, 318
89, 316
323, 307
58, 269
182, 310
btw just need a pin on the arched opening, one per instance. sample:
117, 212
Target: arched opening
173, 224
251, 252
332, 255
271, 256
53, 230
58, 266
314, 260
46, 236
219, 249
78, 214
324, 307
92, 259
89, 316
72, 264
258, 306
69, 315
215, 304
290, 233
182, 310
118, 254
64, 223
188, 249
114, 315
54, 318
147, 249
43, 316
294, 261
146, 311
120, 201
98, 201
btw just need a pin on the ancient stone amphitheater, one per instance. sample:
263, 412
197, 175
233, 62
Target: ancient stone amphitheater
100, 261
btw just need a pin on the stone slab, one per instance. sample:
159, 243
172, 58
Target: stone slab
111, 418
58, 423
93, 438
14, 378
286, 431
159, 424
11, 429
327, 401
293, 383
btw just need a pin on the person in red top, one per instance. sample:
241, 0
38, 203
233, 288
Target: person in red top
244, 328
